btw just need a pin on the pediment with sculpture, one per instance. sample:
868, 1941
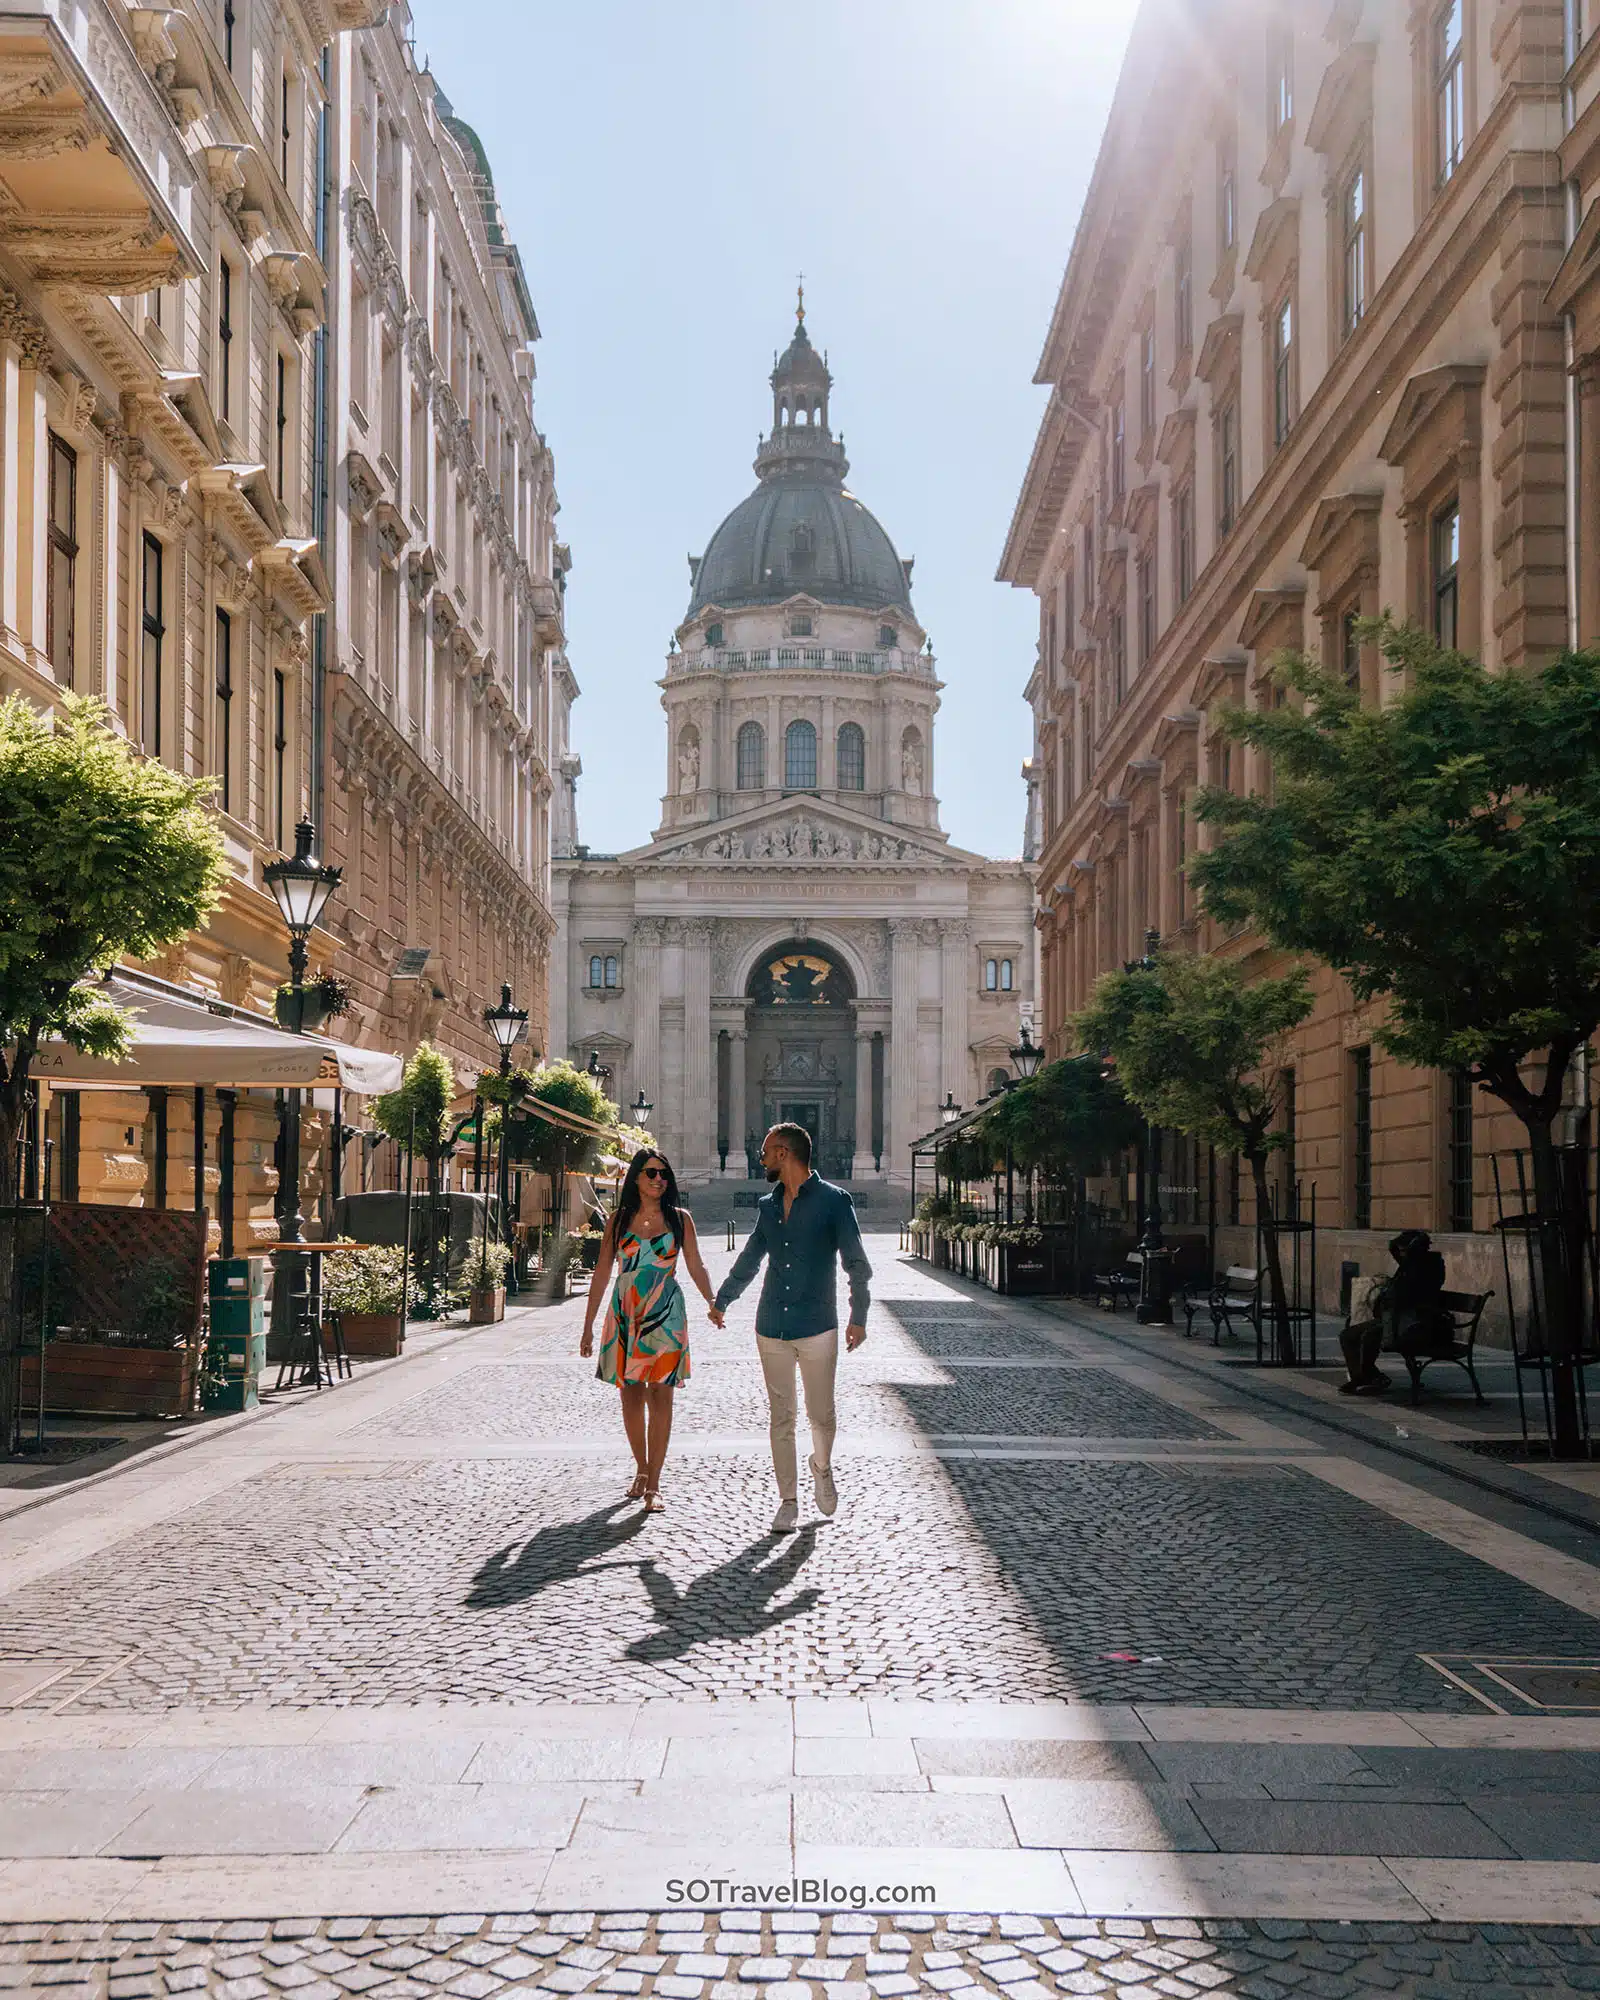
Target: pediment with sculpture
793, 834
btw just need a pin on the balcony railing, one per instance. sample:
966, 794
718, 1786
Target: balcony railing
792, 659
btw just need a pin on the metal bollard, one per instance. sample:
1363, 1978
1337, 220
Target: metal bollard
730, 1232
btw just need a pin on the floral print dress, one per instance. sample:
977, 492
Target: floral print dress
646, 1336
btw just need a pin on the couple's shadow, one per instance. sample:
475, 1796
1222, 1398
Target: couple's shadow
733, 1601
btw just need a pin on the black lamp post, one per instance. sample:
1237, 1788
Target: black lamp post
1155, 1260
301, 885
949, 1111
508, 1024
641, 1108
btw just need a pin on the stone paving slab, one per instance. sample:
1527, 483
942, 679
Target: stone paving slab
852, 1956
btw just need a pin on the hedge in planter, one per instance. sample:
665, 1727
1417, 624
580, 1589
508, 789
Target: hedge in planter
365, 1287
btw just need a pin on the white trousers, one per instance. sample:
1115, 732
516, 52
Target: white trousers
815, 1359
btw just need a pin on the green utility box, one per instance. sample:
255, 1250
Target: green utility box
236, 1353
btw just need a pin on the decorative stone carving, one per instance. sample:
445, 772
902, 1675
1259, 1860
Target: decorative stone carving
799, 839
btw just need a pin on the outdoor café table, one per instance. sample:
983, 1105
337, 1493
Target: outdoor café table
310, 1330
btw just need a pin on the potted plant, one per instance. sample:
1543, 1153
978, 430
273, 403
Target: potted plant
303, 1011
365, 1288
486, 1300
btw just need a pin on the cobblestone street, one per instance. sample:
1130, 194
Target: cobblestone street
1182, 1679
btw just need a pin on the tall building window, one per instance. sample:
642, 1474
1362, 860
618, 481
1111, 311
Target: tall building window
281, 420
800, 757
1145, 589
1119, 658
1291, 1107
1180, 846
1350, 648
1460, 1150
283, 133
1281, 75
224, 707
1227, 467
1119, 450
1183, 293
1353, 206
596, 972
280, 758
1361, 1137
225, 340
1147, 381
611, 974
230, 21
1282, 371
1227, 196
152, 633
997, 975
750, 758
1088, 567
1449, 90
1183, 542
852, 758
1446, 573
61, 601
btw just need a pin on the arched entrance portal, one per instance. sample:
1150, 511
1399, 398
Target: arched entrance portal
800, 1051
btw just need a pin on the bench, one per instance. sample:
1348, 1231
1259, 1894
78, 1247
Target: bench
1237, 1292
1114, 1286
1465, 1310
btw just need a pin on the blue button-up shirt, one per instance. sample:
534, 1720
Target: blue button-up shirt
799, 1295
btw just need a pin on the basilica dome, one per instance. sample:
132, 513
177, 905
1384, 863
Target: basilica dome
801, 530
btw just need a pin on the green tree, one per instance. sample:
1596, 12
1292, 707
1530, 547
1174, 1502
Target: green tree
1442, 853
1200, 1049
1070, 1118
103, 856
427, 1091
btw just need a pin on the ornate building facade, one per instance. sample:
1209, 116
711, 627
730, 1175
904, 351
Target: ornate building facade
160, 295
798, 939
447, 678
1326, 343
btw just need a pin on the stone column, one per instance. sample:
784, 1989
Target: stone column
904, 967
646, 983
699, 1107
955, 984
861, 1166
738, 1051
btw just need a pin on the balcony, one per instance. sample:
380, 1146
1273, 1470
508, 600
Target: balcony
95, 186
800, 659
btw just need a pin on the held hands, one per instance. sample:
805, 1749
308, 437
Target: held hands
853, 1337
715, 1314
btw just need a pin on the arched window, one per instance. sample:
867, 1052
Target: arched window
751, 758
713, 635
597, 971
611, 972
1005, 975
802, 548
999, 1079
852, 758
800, 757
991, 975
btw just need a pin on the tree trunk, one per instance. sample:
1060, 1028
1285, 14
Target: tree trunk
1562, 1279
1282, 1331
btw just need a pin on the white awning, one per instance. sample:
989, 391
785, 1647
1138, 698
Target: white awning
182, 1040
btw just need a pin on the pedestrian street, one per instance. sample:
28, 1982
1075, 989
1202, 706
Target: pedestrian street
1122, 1667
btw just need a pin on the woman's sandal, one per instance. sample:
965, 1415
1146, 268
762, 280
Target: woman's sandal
653, 1502
640, 1486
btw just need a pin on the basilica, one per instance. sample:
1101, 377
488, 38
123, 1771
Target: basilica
798, 939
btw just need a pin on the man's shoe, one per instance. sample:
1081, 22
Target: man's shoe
787, 1519
822, 1485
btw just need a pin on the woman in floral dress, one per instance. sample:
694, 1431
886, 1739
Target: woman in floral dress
644, 1349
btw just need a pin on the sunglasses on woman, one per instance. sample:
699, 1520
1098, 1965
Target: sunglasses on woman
652, 1173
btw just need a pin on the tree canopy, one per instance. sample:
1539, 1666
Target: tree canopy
554, 1149
1070, 1118
427, 1088
1441, 852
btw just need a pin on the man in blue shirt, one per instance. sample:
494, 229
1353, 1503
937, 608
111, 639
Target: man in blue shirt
800, 1228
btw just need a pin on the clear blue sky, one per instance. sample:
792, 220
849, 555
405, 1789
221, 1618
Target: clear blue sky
665, 171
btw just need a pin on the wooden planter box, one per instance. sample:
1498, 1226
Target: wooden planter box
91, 1379
486, 1307
373, 1336
1026, 1270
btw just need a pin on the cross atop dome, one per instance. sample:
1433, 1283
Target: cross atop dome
800, 380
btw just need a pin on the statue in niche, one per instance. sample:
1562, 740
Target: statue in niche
688, 766
911, 765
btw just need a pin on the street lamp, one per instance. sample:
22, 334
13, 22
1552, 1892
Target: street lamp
949, 1111
508, 1024
301, 884
641, 1108
1026, 1056
1155, 1259
597, 1069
